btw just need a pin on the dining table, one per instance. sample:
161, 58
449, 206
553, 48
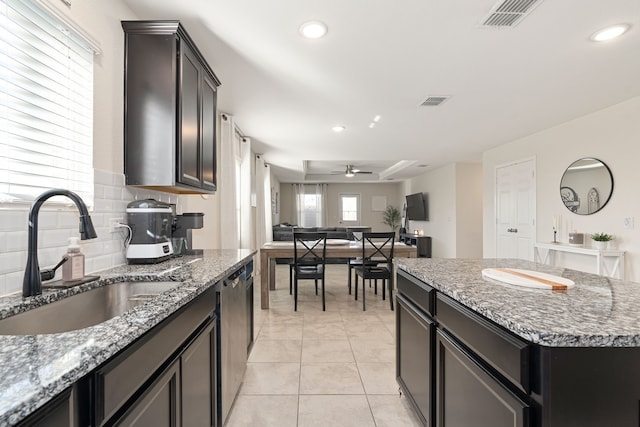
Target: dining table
336, 248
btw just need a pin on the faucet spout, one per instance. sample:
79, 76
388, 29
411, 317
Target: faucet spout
32, 284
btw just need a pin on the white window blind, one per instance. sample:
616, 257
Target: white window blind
46, 105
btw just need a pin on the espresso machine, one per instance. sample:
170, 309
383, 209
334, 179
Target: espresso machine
151, 225
181, 238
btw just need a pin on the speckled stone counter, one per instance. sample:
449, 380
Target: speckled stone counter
597, 312
36, 368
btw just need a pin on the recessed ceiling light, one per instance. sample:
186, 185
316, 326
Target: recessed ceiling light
609, 33
372, 125
339, 128
313, 29
376, 118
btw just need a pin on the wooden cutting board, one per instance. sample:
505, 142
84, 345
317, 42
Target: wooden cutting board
528, 278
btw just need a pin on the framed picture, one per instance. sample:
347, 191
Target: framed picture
378, 203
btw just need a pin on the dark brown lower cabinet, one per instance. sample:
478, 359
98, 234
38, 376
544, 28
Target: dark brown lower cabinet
468, 395
415, 332
159, 406
184, 394
198, 368
57, 413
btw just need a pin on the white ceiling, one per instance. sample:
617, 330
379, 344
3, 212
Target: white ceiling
384, 58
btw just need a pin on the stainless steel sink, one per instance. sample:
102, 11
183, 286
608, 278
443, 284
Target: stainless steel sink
84, 309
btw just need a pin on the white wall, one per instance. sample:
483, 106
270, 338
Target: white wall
468, 210
454, 194
611, 135
368, 217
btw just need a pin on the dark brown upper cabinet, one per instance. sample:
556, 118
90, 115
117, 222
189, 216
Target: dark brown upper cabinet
170, 110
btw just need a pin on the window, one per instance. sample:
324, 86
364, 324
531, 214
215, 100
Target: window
350, 208
311, 205
46, 105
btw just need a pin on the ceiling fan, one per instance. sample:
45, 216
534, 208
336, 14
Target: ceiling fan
351, 171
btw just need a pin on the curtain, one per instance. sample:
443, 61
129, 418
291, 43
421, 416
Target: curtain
264, 230
322, 214
246, 210
229, 184
298, 195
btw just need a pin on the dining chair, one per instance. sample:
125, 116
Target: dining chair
376, 248
309, 260
356, 262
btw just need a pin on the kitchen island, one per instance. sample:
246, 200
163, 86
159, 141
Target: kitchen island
35, 369
475, 351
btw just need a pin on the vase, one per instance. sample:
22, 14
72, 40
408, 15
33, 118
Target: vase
601, 245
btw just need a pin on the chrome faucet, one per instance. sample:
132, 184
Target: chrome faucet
32, 284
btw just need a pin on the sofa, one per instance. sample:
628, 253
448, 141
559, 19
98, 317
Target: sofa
284, 232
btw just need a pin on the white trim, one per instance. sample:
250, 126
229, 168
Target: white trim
49, 6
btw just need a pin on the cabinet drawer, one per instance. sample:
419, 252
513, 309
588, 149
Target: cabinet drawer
470, 395
119, 379
503, 351
416, 291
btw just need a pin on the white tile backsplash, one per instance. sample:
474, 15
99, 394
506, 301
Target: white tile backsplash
56, 225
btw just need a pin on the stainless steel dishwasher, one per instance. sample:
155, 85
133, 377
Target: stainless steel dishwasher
232, 339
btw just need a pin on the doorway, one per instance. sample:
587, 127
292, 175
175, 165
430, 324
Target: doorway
516, 209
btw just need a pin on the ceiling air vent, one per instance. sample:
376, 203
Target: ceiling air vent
508, 13
433, 100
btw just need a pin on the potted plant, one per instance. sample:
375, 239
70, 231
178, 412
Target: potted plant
601, 240
391, 217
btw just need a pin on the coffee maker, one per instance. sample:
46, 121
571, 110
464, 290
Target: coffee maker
181, 238
151, 224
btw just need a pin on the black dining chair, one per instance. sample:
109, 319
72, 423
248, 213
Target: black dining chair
358, 262
377, 263
309, 260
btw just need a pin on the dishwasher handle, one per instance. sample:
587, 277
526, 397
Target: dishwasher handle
234, 279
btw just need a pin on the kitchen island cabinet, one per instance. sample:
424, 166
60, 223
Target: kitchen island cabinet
510, 356
66, 377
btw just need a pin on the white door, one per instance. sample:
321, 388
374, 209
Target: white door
349, 209
516, 210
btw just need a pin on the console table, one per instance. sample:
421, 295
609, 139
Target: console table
422, 243
616, 256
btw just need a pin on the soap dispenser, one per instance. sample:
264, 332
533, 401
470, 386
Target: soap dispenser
73, 269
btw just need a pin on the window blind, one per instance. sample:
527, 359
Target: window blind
46, 105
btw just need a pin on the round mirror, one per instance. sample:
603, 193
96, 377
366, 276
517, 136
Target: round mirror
586, 186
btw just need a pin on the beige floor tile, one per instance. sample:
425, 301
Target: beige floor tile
265, 350
334, 411
324, 351
283, 331
264, 411
271, 378
336, 356
369, 351
378, 378
322, 317
330, 378
392, 411
370, 329
324, 330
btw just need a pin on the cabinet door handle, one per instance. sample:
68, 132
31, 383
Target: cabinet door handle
512, 230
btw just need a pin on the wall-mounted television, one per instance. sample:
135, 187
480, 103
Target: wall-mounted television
417, 207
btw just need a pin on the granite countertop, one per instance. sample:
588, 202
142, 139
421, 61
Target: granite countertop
598, 311
35, 368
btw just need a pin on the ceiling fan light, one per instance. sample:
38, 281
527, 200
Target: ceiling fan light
349, 173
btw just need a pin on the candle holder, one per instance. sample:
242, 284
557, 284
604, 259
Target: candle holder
555, 232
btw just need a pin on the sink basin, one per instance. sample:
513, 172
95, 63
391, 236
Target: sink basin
84, 309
